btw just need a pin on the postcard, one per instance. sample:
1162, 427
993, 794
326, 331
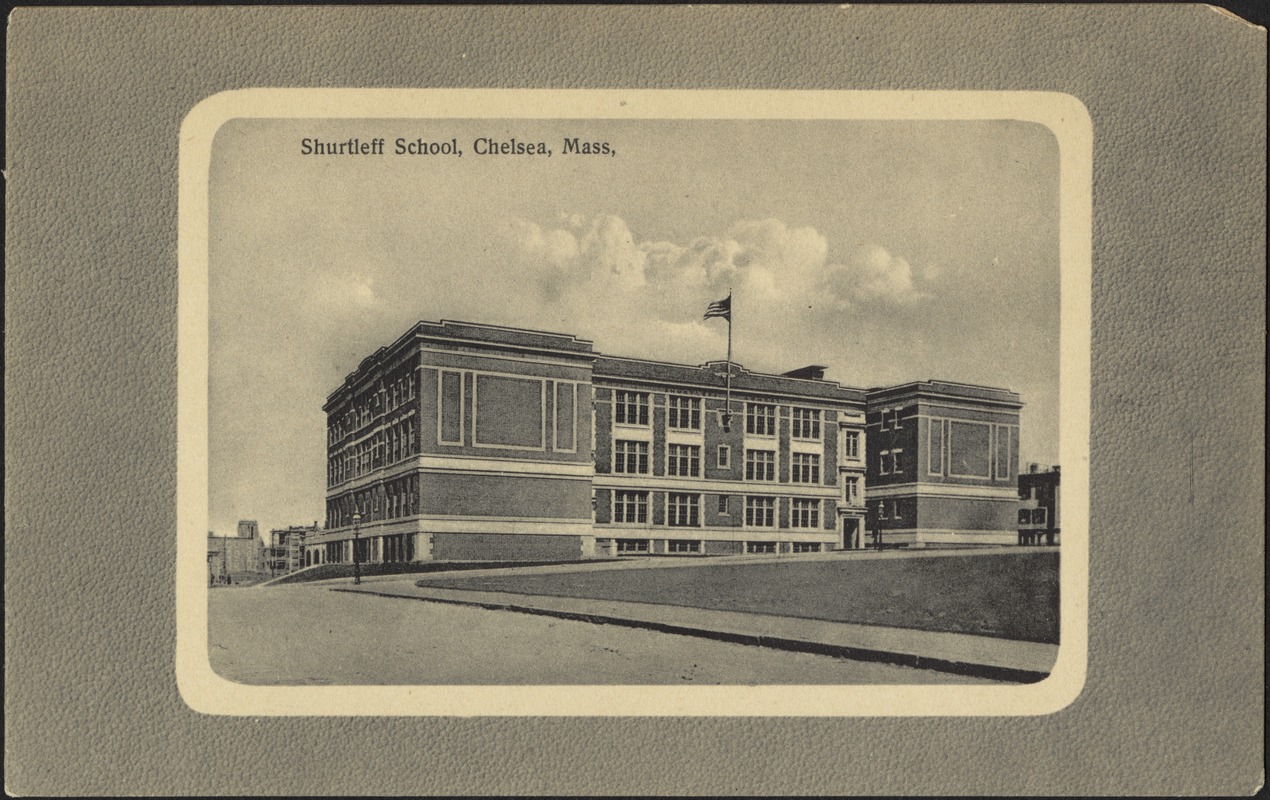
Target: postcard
633, 403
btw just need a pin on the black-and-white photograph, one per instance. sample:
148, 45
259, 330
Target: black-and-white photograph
532, 400
633, 402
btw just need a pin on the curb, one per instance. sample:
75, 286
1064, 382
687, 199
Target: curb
987, 671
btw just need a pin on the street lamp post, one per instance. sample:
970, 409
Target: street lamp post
357, 561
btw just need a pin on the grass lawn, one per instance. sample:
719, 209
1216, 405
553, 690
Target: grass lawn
1010, 596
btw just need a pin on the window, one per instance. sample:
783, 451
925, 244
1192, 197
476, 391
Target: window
760, 512
683, 546
895, 509
725, 457
897, 464
631, 408
760, 465
1039, 516
805, 514
632, 545
630, 457
760, 547
851, 491
760, 420
895, 420
1025, 516
683, 510
684, 461
630, 507
884, 463
806, 423
723, 504
684, 413
805, 468
851, 444
806, 547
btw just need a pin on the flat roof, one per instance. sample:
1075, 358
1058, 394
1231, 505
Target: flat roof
935, 389
713, 375
472, 333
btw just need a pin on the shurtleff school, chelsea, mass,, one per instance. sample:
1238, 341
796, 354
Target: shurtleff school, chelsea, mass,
471, 441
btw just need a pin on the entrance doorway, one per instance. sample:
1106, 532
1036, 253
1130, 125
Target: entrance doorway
851, 533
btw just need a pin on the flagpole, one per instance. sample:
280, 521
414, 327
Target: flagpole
727, 412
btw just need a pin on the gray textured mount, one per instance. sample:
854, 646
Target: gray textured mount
1174, 700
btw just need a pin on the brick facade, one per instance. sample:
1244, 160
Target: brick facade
942, 463
463, 441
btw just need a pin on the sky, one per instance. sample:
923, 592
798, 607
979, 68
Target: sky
888, 251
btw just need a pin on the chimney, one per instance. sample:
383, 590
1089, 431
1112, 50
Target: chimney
1033, 468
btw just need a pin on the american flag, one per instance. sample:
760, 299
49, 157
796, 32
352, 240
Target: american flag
720, 308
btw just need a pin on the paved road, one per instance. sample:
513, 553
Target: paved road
309, 635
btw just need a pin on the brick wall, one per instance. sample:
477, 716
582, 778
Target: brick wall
715, 436
495, 547
722, 548
603, 431
963, 514
505, 495
782, 448
603, 506
829, 424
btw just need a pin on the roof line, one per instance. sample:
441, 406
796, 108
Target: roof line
781, 376
444, 322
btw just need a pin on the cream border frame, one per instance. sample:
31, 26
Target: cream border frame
206, 692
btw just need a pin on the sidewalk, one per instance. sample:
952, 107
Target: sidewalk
978, 656
671, 562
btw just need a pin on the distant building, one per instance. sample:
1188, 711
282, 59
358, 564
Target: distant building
248, 529
1039, 506
286, 551
233, 558
942, 464
469, 441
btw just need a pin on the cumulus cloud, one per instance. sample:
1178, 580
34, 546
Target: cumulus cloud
596, 275
874, 275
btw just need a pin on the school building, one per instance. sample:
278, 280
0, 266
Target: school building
480, 442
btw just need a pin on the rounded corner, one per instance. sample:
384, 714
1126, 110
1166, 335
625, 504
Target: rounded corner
1068, 115
206, 117
1060, 689
193, 700
202, 689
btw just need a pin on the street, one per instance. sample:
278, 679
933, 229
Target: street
309, 635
